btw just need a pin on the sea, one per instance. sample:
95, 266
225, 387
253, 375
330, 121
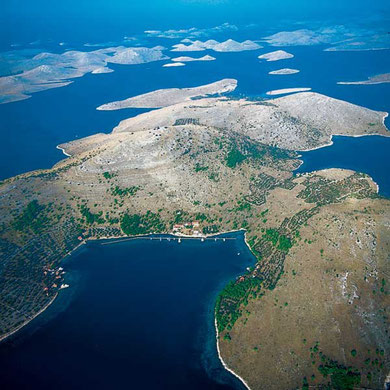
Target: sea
139, 313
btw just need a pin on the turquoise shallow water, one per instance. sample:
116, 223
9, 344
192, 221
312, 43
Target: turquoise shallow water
138, 314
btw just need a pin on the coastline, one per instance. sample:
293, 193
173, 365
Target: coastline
63, 151
222, 361
344, 135
216, 327
5, 336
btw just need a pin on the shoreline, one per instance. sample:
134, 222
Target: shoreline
63, 151
217, 334
345, 135
9, 334
222, 361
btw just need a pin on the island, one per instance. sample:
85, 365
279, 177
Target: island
378, 79
192, 59
170, 96
173, 64
276, 56
284, 71
229, 45
311, 312
25, 76
284, 91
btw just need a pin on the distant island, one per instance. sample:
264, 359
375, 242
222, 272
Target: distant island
173, 64
192, 59
201, 165
378, 79
284, 71
43, 71
276, 56
229, 45
170, 96
287, 90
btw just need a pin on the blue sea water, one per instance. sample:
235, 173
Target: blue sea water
138, 314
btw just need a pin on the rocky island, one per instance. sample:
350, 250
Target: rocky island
378, 79
284, 91
276, 56
310, 312
284, 71
170, 96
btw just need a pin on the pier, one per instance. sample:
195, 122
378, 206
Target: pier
175, 238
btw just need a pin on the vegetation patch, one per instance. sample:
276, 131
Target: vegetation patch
122, 192
90, 217
199, 168
234, 157
32, 218
109, 175
280, 241
341, 377
232, 297
135, 224
334, 375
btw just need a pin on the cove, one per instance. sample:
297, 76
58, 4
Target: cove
368, 154
139, 314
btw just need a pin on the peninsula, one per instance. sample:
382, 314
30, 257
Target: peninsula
311, 311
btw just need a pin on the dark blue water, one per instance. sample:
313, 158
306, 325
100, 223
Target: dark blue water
363, 154
138, 315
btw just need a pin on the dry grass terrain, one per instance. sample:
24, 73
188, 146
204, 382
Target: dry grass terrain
314, 303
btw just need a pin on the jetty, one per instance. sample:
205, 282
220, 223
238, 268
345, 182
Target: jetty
163, 238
